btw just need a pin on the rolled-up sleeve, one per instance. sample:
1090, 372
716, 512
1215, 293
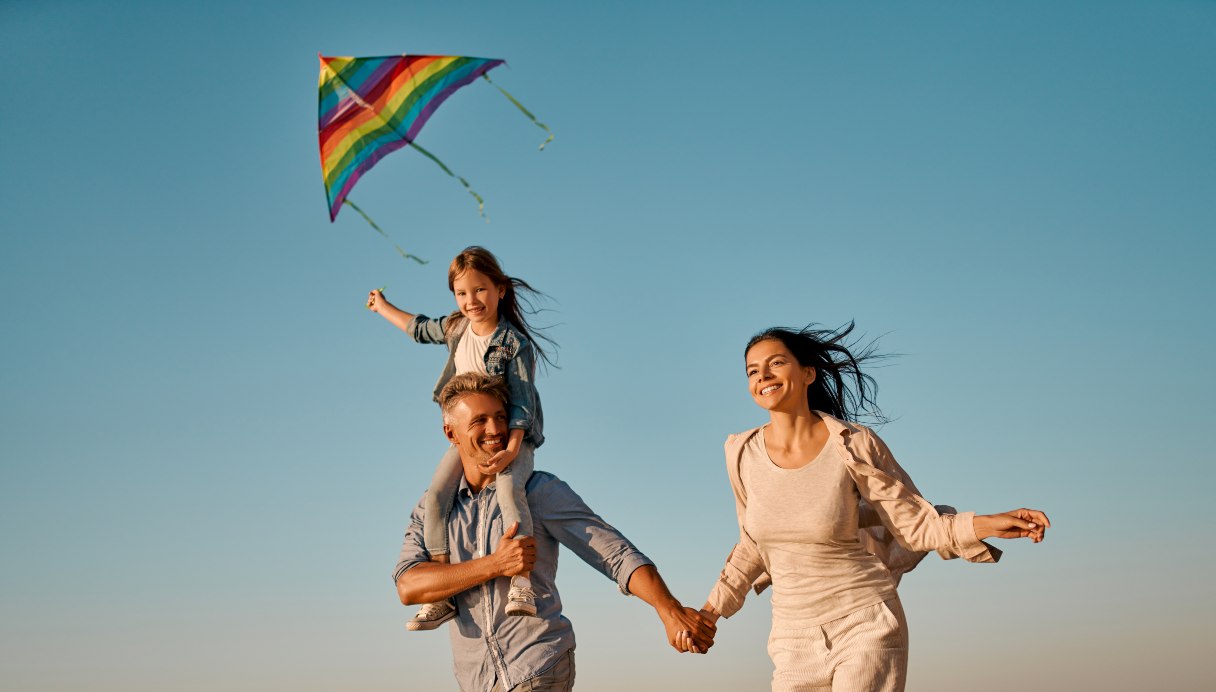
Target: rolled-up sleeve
911, 518
426, 330
569, 520
743, 571
413, 552
745, 568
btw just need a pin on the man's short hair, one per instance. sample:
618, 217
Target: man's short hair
470, 383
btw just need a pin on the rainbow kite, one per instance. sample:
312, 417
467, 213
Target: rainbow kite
371, 107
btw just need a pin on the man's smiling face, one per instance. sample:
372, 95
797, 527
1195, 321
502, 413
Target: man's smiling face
477, 425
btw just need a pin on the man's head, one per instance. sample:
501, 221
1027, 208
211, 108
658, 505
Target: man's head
475, 420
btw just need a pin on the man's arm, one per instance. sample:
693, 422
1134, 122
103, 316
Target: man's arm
599, 544
646, 584
429, 582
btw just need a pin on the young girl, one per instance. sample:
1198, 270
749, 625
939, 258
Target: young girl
488, 333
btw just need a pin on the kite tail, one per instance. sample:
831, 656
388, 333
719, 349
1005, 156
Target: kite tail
368, 219
523, 110
481, 203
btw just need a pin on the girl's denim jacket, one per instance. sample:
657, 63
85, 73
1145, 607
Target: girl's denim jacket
510, 356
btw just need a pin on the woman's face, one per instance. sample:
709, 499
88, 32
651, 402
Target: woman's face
775, 379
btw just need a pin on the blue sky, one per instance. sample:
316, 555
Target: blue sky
208, 450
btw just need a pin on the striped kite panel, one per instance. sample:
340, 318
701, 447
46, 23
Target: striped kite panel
371, 107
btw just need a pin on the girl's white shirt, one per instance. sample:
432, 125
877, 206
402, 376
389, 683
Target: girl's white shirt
471, 352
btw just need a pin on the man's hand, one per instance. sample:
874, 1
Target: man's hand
685, 640
514, 555
688, 630
646, 584
434, 581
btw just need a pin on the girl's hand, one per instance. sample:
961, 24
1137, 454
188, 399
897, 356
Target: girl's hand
376, 300
1019, 523
497, 463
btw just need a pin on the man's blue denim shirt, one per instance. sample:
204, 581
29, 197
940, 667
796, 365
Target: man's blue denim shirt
487, 644
510, 356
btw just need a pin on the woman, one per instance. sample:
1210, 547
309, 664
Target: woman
806, 486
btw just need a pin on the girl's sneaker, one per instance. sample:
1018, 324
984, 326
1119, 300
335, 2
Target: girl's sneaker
520, 599
432, 615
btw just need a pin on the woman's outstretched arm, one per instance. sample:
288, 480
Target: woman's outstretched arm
918, 525
1019, 523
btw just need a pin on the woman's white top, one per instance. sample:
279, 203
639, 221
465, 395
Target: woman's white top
805, 523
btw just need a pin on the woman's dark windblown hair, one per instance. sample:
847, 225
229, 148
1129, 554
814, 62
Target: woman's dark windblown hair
840, 387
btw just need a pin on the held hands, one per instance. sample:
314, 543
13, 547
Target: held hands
688, 630
1019, 523
513, 555
685, 643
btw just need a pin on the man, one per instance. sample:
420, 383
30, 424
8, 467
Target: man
492, 651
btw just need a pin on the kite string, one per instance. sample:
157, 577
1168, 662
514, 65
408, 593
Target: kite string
354, 96
525, 111
481, 203
368, 219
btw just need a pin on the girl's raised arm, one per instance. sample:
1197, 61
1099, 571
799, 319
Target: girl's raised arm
376, 302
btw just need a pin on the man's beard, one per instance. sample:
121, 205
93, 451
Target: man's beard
482, 453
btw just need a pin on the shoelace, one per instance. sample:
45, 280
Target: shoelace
431, 611
521, 593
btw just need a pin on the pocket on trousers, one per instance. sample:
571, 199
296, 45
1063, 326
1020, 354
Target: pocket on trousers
559, 678
788, 646
891, 614
887, 614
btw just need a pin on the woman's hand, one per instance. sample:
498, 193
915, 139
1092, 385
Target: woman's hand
1019, 523
688, 631
684, 641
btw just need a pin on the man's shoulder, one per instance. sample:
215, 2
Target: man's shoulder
542, 481
545, 490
